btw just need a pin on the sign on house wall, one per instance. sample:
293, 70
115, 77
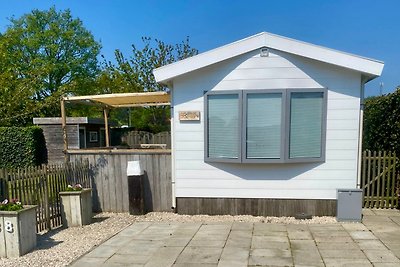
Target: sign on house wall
189, 115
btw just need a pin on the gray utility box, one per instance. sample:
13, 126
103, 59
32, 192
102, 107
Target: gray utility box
349, 205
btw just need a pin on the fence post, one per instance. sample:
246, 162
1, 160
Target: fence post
46, 198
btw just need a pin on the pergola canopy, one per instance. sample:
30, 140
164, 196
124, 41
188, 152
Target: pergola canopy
123, 100
107, 101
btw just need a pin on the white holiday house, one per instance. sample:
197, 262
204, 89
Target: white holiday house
266, 125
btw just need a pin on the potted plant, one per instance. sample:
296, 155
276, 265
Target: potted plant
17, 228
76, 206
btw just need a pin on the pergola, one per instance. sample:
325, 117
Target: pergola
109, 101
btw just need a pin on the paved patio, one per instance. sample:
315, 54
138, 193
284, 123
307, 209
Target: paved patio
375, 242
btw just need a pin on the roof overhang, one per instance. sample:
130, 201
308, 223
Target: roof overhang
368, 67
123, 100
69, 120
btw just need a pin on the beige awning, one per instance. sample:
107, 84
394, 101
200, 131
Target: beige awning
107, 101
123, 100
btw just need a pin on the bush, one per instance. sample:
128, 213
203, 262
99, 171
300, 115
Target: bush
22, 147
381, 123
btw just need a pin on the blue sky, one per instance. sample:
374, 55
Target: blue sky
369, 28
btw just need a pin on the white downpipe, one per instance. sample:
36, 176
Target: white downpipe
360, 133
173, 194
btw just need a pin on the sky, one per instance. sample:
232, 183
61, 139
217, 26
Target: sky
369, 28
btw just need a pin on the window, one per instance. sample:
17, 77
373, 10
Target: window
265, 126
223, 127
305, 125
93, 136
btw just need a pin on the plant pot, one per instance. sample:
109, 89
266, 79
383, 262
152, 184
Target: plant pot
76, 207
17, 232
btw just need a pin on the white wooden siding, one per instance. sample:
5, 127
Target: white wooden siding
195, 178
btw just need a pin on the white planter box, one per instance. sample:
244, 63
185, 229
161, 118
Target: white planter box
76, 207
17, 232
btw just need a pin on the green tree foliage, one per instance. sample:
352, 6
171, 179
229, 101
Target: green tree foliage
382, 122
44, 55
135, 74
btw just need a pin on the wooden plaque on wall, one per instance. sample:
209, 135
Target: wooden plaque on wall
189, 115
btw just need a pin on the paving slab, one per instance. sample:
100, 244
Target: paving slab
338, 245
128, 259
342, 253
385, 264
263, 242
271, 252
341, 239
307, 258
194, 265
207, 243
240, 234
141, 247
303, 245
375, 242
177, 242
134, 229
103, 251
239, 256
200, 255
356, 235
270, 261
232, 263
270, 227
382, 255
242, 226
119, 242
354, 226
165, 256
370, 244
300, 235
239, 242
337, 262
88, 261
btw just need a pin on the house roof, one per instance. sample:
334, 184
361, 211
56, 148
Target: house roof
369, 67
123, 99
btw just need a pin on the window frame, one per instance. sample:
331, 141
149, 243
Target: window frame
285, 126
324, 91
244, 127
240, 119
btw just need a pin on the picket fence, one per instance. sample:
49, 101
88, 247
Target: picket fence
40, 186
380, 179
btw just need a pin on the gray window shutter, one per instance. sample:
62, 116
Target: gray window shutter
223, 126
305, 137
264, 119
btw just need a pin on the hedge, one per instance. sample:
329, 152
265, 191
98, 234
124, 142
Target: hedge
382, 122
22, 147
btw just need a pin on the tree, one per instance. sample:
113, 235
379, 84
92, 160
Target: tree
135, 74
381, 122
44, 55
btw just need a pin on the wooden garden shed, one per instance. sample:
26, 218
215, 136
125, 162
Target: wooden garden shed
266, 125
83, 132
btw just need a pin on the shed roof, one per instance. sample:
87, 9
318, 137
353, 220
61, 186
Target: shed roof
123, 99
69, 120
371, 68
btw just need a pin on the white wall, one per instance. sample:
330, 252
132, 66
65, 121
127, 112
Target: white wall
195, 178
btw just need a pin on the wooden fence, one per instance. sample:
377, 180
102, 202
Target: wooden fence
40, 186
380, 179
136, 138
110, 182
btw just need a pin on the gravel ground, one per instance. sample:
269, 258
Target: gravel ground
61, 246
